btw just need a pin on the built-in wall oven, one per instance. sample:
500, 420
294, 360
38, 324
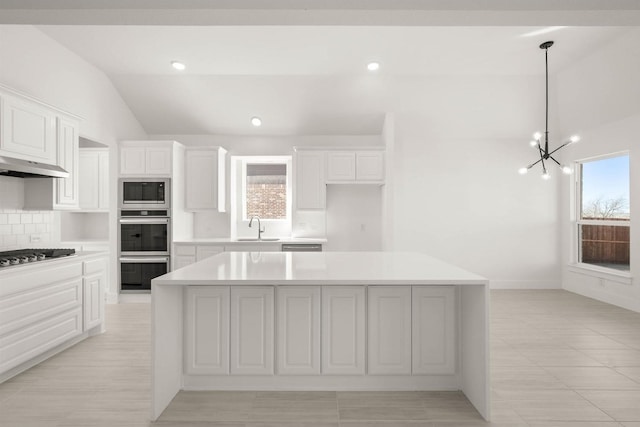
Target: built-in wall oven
144, 247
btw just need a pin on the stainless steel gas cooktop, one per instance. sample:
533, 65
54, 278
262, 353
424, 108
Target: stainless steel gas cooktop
24, 256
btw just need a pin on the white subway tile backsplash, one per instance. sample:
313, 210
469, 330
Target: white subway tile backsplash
26, 218
30, 228
37, 218
5, 229
17, 229
14, 218
22, 240
9, 241
42, 228
3, 218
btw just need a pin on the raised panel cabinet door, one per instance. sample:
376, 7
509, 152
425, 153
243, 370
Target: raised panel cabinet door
343, 330
207, 328
132, 161
158, 161
67, 188
341, 166
434, 346
252, 330
89, 174
28, 130
94, 289
389, 324
310, 184
370, 166
202, 180
298, 326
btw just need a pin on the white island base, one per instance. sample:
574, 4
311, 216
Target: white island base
320, 321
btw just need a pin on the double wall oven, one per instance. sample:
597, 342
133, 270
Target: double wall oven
144, 232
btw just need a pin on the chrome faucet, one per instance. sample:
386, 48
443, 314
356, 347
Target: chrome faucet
260, 229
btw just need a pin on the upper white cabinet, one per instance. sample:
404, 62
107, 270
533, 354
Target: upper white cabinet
310, 184
146, 158
58, 193
28, 129
93, 173
205, 179
355, 166
389, 324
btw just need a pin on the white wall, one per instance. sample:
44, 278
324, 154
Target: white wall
354, 217
457, 194
34, 64
600, 99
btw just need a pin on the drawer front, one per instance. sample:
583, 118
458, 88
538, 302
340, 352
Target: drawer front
25, 344
38, 276
95, 266
23, 309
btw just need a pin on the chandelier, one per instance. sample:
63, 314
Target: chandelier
536, 142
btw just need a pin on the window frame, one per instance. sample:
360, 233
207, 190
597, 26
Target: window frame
622, 276
286, 160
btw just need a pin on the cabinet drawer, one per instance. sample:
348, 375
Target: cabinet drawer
94, 266
27, 343
29, 307
42, 275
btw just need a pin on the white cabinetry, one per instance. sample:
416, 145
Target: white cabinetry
146, 158
252, 330
185, 253
207, 328
433, 330
58, 193
309, 179
94, 287
343, 330
298, 338
206, 251
355, 166
93, 173
205, 179
389, 321
28, 129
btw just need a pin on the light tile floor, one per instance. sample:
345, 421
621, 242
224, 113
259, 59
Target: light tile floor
558, 360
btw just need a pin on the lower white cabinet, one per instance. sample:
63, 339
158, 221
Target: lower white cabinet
252, 330
298, 338
389, 321
434, 347
206, 251
94, 288
343, 330
207, 328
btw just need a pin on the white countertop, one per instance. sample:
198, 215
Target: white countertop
320, 268
228, 240
22, 268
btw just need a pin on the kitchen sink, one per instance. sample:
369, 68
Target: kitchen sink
253, 239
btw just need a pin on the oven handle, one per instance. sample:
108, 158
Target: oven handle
145, 260
144, 220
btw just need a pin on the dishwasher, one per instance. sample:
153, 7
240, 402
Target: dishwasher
301, 247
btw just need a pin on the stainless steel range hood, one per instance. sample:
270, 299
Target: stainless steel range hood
10, 166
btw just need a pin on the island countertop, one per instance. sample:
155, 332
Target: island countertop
320, 268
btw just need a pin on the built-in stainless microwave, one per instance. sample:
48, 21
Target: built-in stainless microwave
144, 193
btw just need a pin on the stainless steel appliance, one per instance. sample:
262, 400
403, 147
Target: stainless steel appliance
25, 256
144, 193
144, 247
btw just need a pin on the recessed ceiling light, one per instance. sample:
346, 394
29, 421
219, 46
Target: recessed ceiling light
256, 121
373, 66
178, 65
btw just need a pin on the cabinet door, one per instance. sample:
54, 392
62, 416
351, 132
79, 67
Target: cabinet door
343, 330
180, 261
341, 166
158, 161
370, 166
205, 180
434, 330
389, 322
28, 130
89, 176
206, 251
132, 161
207, 329
310, 186
298, 351
252, 330
67, 188
94, 289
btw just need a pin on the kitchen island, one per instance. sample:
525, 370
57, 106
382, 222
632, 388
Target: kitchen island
320, 321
